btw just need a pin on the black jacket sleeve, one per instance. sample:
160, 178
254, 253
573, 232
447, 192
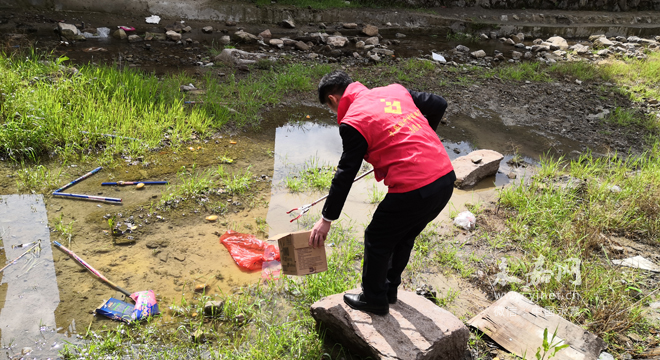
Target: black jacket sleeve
432, 107
354, 148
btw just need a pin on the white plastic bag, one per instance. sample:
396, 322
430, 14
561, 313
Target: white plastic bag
465, 220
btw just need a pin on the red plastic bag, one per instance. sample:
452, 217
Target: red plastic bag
247, 251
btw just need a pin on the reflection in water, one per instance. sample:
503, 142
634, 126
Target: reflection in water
29, 287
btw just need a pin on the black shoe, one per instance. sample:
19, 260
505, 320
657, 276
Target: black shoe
355, 302
391, 298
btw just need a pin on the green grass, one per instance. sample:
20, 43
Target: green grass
44, 109
639, 78
376, 195
631, 118
525, 71
581, 70
312, 175
552, 224
38, 178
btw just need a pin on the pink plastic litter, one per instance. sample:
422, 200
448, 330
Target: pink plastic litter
247, 251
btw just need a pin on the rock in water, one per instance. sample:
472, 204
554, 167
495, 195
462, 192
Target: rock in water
301, 46
119, 34
289, 24
370, 30
213, 308
266, 34
173, 35
603, 42
414, 329
337, 41
69, 31
245, 36
478, 54
469, 174
559, 41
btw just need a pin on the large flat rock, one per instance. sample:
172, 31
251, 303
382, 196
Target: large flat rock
414, 329
473, 167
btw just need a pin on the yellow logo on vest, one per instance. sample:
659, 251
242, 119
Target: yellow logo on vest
393, 107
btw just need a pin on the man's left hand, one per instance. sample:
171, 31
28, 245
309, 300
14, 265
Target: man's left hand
319, 233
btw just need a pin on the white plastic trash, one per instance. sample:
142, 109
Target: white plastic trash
438, 57
465, 220
153, 19
103, 32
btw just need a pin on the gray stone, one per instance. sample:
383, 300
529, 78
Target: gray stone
516, 55
559, 42
385, 52
517, 39
605, 356
603, 42
469, 174
595, 37
238, 57
214, 308
603, 52
349, 25
337, 41
415, 328
265, 34
69, 31
289, 24
537, 42
400, 35
276, 42
478, 54
207, 29
230, 23
540, 48
519, 45
225, 40
119, 34
462, 48
372, 41
632, 39
173, 35
580, 49
374, 57
245, 36
370, 30
301, 46
134, 38
510, 42
484, 37
359, 45
187, 29
528, 55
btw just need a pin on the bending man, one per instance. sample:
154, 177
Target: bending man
394, 130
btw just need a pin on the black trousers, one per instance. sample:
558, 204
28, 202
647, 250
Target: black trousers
389, 238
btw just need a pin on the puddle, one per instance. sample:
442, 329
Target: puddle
28, 290
300, 140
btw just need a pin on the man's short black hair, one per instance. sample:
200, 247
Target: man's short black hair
334, 83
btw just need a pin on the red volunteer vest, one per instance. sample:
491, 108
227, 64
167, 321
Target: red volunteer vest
405, 152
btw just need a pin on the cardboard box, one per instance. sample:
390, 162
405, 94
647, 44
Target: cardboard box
297, 257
